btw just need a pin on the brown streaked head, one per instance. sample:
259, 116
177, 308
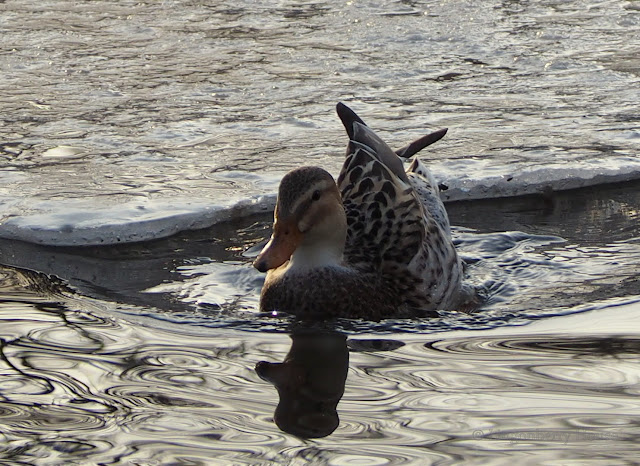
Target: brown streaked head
308, 199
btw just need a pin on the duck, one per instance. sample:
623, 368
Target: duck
374, 244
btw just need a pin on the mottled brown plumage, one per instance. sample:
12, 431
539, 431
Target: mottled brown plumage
377, 244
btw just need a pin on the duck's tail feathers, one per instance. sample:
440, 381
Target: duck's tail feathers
419, 144
362, 136
348, 118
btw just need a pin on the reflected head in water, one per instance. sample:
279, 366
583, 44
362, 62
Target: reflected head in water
310, 383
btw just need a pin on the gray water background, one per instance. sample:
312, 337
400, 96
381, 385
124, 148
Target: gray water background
124, 121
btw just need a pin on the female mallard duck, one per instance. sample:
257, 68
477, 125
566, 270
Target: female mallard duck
377, 244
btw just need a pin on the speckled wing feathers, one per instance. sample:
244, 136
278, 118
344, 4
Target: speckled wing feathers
429, 194
397, 226
384, 217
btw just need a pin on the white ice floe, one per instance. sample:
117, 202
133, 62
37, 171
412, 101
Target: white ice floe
97, 220
84, 222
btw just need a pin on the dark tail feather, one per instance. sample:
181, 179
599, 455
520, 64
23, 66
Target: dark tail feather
348, 117
419, 144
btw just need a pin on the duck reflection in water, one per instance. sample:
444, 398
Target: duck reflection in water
310, 382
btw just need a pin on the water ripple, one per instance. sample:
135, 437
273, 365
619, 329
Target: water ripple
145, 354
160, 395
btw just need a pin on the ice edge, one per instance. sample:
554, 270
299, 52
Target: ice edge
84, 225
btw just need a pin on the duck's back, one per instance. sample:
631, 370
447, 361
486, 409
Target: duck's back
397, 225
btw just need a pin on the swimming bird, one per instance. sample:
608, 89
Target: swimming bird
375, 244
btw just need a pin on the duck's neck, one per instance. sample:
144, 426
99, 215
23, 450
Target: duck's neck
317, 255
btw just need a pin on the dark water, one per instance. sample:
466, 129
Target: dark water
82, 386
96, 370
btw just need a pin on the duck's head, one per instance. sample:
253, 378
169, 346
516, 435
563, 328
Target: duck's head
309, 222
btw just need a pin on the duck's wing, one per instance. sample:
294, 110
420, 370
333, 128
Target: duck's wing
429, 194
397, 224
349, 117
386, 221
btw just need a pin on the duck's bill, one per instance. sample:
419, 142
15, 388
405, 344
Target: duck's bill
283, 243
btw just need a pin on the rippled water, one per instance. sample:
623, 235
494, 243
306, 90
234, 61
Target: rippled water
154, 353
81, 385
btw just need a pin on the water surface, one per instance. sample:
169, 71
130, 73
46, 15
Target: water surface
119, 114
81, 385
125, 121
146, 354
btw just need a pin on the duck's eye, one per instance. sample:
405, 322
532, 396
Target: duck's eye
316, 195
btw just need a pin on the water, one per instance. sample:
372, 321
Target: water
81, 385
146, 354
127, 121
130, 121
